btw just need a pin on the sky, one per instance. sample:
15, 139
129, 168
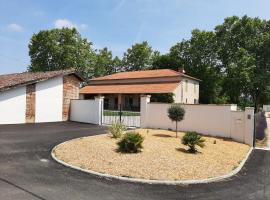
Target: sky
116, 24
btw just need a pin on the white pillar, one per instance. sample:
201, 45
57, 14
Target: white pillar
145, 100
99, 103
249, 125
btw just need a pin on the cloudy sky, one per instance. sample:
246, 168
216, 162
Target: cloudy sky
116, 24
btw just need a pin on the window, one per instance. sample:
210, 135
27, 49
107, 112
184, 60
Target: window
195, 87
186, 85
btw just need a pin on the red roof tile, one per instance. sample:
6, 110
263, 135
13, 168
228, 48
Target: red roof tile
8, 81
130, 88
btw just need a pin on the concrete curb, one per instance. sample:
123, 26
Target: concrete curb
160, 182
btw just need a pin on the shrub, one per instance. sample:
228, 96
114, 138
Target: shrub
131, 142
191, 139
176, 113
117, 129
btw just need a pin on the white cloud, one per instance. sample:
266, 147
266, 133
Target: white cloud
14, 27
65, 23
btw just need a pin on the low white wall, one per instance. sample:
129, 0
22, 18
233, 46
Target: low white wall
49, 100
266, 108
214, 120
13, 106
87, 111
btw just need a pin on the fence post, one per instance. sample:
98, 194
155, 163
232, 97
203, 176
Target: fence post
99, 104
249, 126
145, 99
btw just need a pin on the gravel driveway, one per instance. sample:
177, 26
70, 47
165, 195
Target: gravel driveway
28, 172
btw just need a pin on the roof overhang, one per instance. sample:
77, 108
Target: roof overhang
144, 88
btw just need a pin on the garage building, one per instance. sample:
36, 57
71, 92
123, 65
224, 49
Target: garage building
31, 97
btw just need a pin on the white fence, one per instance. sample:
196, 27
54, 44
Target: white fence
87, 111
129, 121
214, 120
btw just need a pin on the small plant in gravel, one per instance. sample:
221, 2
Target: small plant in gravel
176, 113
193, 139
131, 142
117, 129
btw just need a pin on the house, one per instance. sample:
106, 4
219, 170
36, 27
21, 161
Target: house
125, 88
37, 96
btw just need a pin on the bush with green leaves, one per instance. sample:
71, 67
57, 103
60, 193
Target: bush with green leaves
117, 129
193, 139
131, 142
176, 113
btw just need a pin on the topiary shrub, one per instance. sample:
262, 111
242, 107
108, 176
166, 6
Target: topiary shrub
193, 139
117, 129
131, 142
176, 113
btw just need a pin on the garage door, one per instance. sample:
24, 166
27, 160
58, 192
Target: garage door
13, 106
49, 100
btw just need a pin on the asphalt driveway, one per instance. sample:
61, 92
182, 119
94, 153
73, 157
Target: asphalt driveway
28, 172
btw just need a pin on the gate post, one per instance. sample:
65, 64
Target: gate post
99, 104
249, 126
145, 99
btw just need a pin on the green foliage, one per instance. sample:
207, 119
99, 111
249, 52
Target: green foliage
131, 142
232, 61
117, 129
105, 64
139, 57
58, 49
193, 139
163, 98
199, 58
176, 113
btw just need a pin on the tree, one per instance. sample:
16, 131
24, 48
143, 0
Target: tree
198, 57
176, 113
104, 63
243, 51
165, 62
59, 49
138, 57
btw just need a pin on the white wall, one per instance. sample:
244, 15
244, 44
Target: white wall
87, 111
187, 96
266, 108
49, 100
214, 120
13, 106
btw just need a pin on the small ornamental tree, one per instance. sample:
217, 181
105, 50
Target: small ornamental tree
176, 114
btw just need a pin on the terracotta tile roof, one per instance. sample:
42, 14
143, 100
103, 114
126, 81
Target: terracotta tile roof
143, 74
140, 74
8, 81
130, 88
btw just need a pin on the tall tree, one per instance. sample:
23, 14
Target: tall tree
104, 63
243, 50
138, 57
198, 57
58, 49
